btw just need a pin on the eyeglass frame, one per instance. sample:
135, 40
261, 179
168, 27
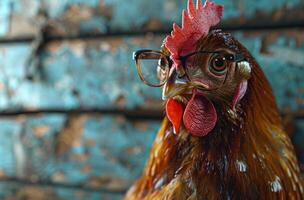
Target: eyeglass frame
236, 57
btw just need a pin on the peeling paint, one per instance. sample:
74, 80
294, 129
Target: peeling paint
78, 163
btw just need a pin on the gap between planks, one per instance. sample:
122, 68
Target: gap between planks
91, 36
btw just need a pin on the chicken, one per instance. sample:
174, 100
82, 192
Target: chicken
222, 137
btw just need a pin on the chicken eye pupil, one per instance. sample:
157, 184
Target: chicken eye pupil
219, 62
217, 65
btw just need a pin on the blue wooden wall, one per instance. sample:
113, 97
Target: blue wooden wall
76, 122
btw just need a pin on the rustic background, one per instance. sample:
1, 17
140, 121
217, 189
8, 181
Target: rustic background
76, 122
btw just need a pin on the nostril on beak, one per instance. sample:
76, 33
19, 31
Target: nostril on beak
177, 77
176, 83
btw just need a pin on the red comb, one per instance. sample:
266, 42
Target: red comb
195, 24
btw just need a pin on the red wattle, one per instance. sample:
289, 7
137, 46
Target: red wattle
174, 111
200, 115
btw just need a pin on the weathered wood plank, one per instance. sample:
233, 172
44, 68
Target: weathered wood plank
97, 152
73, 17
101, 73
101, 152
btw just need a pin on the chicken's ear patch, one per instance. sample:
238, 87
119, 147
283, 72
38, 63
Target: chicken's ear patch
244, 70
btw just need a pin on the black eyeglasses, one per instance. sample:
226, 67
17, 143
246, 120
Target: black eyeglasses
153, 66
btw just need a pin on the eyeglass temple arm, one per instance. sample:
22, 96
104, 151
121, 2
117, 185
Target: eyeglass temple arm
238, 57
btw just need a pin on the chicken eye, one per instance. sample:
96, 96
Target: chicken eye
218, 65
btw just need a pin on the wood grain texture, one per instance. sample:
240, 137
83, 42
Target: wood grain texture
101, 73
72, 17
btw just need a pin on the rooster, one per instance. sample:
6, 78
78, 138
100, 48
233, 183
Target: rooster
222, 137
